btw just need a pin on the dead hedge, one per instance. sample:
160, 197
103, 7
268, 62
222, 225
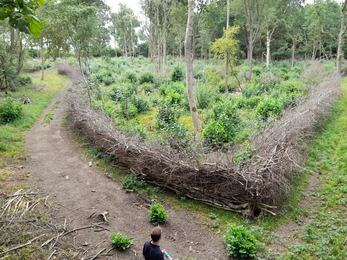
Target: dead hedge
258, 186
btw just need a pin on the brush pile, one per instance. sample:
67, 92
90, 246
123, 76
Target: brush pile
258, 186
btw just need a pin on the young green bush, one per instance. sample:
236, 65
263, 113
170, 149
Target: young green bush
142, 104
269, 107
223, 125
132, 182
146, 77
177, 136
10, 110
157, 214
148, 88
24, 80
120, 242
176, 74
240, 243
168, 114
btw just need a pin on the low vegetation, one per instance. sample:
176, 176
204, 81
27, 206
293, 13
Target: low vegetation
120, 242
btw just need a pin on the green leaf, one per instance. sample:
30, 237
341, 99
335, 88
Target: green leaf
40, 2
35, 26
3, 14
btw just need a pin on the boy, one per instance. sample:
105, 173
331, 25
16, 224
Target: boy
151, 249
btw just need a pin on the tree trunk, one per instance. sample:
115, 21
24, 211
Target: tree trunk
268, 42
293, 51
189, 65
340, 37
42, 56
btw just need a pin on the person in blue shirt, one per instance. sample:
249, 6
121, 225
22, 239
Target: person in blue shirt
151, 249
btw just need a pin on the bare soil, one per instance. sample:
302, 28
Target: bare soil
79, 192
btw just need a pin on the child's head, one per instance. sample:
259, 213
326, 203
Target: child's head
156, 234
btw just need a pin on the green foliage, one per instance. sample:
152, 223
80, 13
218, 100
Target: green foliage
142, 104
172, 87
227, 44
249, 103
128, 109
132, 127
131, 76
147, 88
132, 182
24, 80
120, 242
122, 92
146, 77
176, 74
167, 115
21, 15
177, 136
269, 107
173, 98
240, 243
157, 214
203, 94
10, 110
223, 124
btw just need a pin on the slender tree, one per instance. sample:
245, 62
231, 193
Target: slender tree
189, 55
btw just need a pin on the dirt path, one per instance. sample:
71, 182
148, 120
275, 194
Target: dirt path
78, 193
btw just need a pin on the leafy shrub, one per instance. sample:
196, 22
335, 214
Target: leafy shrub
157, 214
249, 103
24, 80
147, 88
140, 103
167, 115
117, 93
120, 242
223, 125
169, 87
269, 107
108, 80
255, 90
121, 92
257, 71
132, 127
177, 136
128, 108
203, 95
132, 182
240, 243
146, 77
10, 110
176, 74
174, 98
131, 76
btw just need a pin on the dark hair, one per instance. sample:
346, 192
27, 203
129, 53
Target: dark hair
156, 234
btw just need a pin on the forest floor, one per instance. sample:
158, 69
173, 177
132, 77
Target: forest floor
78, 193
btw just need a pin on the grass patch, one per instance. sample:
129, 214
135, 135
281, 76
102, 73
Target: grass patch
40, 93
324, 237
48, 118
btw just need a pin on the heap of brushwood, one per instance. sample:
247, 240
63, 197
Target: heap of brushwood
258, 186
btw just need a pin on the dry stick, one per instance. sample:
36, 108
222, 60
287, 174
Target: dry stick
23, 245
50, 256
102, 250
21, 194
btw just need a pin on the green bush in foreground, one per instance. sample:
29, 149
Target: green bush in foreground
10, 110
240, 243
157, 214
120, 242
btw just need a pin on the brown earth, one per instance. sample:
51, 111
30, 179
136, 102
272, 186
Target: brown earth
77, 193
